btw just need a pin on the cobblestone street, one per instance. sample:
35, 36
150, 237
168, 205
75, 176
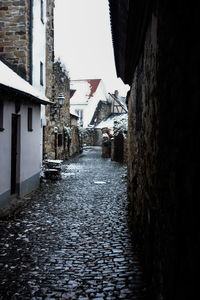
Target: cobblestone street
71, 240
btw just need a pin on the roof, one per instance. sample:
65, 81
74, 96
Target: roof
83, 90
129, 20
108, 122
94, 83
10, 80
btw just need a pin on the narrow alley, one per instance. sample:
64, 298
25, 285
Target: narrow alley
71, 240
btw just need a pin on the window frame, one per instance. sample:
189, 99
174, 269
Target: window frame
79, 112
42, 11
30, 119
41, 73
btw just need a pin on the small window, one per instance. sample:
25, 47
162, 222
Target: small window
80, 115
30, 119
1, 116
42, 10
60, 139
41, 73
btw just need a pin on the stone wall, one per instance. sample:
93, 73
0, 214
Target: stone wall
50, 4
75, 142
56, 137
48, 134
15, 35
164, 151
103, 110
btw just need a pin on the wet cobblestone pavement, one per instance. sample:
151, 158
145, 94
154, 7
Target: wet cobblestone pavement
71, 239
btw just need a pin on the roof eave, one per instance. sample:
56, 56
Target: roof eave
27, 95
129, 21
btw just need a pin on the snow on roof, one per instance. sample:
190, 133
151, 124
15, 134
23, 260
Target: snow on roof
10, 79
121, 123
84, 90
114, 120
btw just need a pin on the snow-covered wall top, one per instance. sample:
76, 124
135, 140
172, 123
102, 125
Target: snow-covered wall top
116, 122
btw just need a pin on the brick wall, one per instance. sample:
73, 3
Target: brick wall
15, 43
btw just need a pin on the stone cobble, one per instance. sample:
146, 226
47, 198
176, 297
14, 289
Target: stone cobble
71, 239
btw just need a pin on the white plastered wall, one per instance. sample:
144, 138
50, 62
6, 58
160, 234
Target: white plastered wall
39, 55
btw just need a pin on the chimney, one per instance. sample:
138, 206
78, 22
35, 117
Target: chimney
116, 93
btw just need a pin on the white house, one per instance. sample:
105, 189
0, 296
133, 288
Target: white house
20, 113
38, 56
85, 96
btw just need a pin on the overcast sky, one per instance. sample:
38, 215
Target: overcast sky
83, 41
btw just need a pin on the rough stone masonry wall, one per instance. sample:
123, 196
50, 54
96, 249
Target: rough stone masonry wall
15, 35
164, 151
103, 110
59, 116
74, 141
50, 4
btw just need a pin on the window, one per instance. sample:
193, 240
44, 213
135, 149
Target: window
1, 116
80, 115
41, 73
30, 119
60, 138
42, 10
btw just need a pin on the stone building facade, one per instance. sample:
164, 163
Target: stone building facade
15, 35
23, 24
56, 136
50, 4
157, 55
103, 110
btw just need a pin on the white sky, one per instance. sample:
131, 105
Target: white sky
83, 41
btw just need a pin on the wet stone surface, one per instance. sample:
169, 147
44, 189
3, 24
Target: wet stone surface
71, 239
